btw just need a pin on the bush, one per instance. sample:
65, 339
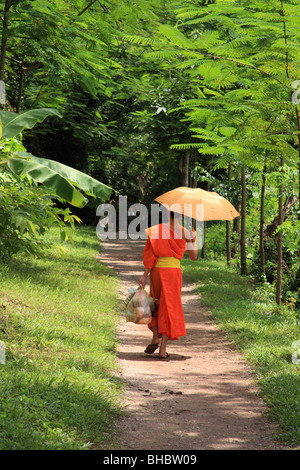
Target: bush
215, 240
26, 212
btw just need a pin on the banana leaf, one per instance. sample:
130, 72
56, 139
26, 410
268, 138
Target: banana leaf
86, 183
56, 183
13, 124
59, 178
64, 181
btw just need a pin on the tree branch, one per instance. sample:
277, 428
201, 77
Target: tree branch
238, 62
87, 7
244, 65
272, 227
103, 6
32, 67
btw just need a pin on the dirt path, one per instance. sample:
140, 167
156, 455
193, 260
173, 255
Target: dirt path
203, 398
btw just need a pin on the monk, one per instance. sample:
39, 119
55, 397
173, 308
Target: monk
165, 247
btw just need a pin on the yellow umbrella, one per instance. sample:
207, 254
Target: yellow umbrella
198, 204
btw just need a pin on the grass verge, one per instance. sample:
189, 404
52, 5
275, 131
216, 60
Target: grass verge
58, 388
261, 331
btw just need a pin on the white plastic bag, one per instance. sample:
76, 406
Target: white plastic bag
139, 306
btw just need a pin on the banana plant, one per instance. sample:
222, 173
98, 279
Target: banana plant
63, 181
67, 183
13, 124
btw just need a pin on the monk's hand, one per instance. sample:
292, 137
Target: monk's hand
142, 281
193, 235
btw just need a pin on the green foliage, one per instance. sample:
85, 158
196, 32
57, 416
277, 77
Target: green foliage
59, 178
50, 179
63, 42
26, 213
58, 316
239, 90
13, 124
243, 59
27, 210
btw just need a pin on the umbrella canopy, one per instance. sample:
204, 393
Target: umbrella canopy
198, 204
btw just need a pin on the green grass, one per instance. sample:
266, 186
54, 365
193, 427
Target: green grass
261, 331
58, 386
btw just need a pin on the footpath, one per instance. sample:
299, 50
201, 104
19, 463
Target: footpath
203, 398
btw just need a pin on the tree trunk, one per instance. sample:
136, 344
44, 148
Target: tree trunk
262, 220
21, 85
236, 232
194, 180
243, 223
193, 160
7, 6
204, 223
183, 168
298, 124
228, 247
279, 239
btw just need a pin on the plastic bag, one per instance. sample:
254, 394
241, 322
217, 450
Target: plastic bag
139, 306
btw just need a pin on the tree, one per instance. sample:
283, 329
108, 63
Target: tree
243, 56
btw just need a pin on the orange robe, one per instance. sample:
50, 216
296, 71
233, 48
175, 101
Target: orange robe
165, 283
